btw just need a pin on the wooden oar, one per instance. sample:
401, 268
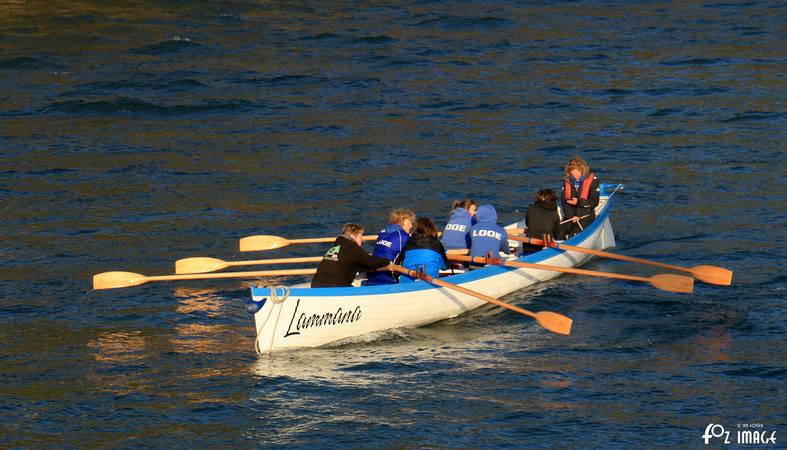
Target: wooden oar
268, 242
112, 280
707, 274
557, 323
204, 264
665, 281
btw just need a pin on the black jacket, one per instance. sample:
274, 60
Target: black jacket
343, 261
542, 219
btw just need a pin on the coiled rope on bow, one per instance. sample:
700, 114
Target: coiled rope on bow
274, 296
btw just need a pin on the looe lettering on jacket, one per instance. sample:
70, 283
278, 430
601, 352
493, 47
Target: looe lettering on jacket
455, 227
385, 243
488, 233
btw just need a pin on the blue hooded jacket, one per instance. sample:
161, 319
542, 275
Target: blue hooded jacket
487, 235
425, 252
457, 231
390, 244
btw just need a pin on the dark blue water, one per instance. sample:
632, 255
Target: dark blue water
135, 134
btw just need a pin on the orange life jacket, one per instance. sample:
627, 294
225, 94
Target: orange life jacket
584, 192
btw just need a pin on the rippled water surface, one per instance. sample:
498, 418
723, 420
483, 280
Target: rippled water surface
135, 134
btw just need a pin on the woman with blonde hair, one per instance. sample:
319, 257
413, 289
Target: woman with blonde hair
579, 198
390, 244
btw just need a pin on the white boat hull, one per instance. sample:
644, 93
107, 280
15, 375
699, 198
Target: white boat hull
312, 317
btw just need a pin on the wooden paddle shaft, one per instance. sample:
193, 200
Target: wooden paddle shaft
259, 273
274, 261
603, 254
315, 240
445, 284
482, 260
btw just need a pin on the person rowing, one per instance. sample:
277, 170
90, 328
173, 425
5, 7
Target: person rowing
390, 244
424, 251
456, 234
345, 259
542, 218
487, 237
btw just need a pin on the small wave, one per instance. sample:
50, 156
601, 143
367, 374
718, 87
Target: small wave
553, 105
321, 37
285, 80
465, 23
615, 92
407, 62
756, 371
659, 91
375, 336
174, 45
557, 148
122, 105
130, 105
596, 57
110, 87
380, 366
441, 105
749, 31
665, 112
84, 19
52, 171
729, 5
27, 63
482, 106
373, 40
362, 83
753, 115
692, 62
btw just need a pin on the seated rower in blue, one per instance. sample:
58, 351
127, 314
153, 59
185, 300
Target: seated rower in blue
456, 234
390, 245
424, 251
486, 236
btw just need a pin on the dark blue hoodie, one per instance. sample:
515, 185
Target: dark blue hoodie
457, 231
390, 244
487, 235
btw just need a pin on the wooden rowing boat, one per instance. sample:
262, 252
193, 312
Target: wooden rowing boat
290, 317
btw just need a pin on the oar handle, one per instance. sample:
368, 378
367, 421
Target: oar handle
569, 220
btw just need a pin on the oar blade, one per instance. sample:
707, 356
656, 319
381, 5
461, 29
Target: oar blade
199, 265
113, 280
673, 283
262, 242
712, 275
554, 322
